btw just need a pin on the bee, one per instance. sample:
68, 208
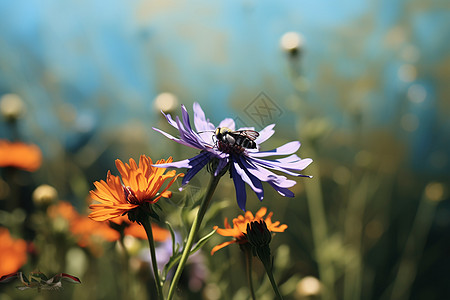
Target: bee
239, 140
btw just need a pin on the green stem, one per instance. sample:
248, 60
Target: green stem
151, 243
248, 264
319, 228
193, 232
125, 251
268, 268
125, 274
414, 247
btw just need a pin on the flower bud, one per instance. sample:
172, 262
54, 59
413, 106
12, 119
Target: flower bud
11, 107
44, 195
166, 102
292, 43
258, 234
259, 237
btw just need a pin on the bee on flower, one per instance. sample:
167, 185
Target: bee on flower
225, 148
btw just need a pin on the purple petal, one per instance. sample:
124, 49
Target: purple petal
251, 180
189, 136
187, 163
180, 141
200, 122
265, 134
283, 167
279, 183
222, 163
185, 117
239, 186
170, 120
207, 137
195, 169
229, 123
294, 162
176, 164
258, 184
283, 191
286, 149
266, 175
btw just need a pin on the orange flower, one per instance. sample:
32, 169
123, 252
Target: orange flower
64, 210
240, 227
20, 155
140, 186
13, 253
87, 231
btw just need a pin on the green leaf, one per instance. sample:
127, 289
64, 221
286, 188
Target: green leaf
172, 234
202, 241
174, 259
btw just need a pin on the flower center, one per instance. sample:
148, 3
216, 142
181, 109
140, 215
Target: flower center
130, 196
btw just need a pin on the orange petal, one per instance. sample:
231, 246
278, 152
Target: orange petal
261, 212
218, 247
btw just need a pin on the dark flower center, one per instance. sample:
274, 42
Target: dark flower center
130, 195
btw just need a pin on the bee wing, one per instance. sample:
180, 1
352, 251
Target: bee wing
251, 134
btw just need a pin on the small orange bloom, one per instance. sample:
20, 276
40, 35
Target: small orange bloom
20, 155
140, 185
88, 232
240, 227
13, 253
63, 209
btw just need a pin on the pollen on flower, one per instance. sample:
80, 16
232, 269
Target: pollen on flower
130, 195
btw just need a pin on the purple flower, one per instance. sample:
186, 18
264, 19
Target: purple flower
245, 165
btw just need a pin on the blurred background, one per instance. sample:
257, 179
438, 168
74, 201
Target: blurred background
363, 85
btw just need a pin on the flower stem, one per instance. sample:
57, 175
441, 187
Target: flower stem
193, 232
263, 254
268, 268
151, 243
248, 264
125, 274
319, 227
